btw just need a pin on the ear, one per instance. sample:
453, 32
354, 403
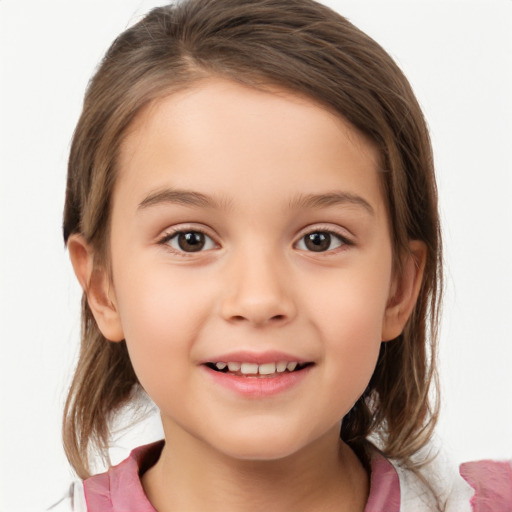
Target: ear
95, 283
404, 291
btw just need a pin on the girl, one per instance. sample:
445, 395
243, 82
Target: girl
251, 211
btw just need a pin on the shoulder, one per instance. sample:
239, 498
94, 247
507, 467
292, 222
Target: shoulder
482, 486
120, 487
492, 485
73, 500
434, 484
117, 489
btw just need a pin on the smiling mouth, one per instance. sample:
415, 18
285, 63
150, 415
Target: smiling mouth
257, 370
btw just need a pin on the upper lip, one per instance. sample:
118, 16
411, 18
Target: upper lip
255, 357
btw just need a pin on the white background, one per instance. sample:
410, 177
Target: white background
458, 57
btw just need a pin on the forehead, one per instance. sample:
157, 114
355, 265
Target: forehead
221, 131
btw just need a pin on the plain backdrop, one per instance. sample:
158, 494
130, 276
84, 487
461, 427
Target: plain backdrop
458, 57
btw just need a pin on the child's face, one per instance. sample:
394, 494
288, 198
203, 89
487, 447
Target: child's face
249, 227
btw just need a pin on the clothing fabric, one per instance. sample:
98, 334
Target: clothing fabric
482, 486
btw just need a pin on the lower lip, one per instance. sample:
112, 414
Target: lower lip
258, 387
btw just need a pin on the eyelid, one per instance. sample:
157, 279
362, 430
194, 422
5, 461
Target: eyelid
328, 228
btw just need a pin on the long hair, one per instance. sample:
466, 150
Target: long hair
307, 48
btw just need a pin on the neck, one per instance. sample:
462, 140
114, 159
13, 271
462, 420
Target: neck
192, 476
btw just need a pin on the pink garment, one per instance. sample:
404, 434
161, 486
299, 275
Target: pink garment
492, 482
120, 489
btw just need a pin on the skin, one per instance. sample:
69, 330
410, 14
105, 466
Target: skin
257, 156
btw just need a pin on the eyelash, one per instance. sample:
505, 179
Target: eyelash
344, 242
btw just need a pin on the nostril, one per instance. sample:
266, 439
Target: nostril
252, 318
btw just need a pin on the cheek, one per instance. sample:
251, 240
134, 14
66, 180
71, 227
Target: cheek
349, 318
353, 346
154, 297
161, 314
351, 304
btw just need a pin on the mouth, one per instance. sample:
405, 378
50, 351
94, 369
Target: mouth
265, 370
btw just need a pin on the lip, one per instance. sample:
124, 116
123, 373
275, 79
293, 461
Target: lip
245, 356
257, 387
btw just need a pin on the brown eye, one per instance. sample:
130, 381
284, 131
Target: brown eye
190, 241
320, 241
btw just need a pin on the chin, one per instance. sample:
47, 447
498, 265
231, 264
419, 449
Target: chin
261, 445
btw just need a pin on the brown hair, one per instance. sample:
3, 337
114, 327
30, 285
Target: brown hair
307, 48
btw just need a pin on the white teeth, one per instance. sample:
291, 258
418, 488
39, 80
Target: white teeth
281, 366
255, 369
234, 367
248, 368
267, 369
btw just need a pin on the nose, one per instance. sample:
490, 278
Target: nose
258, 292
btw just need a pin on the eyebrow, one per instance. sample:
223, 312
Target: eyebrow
331, 199
177, 196
199, 200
